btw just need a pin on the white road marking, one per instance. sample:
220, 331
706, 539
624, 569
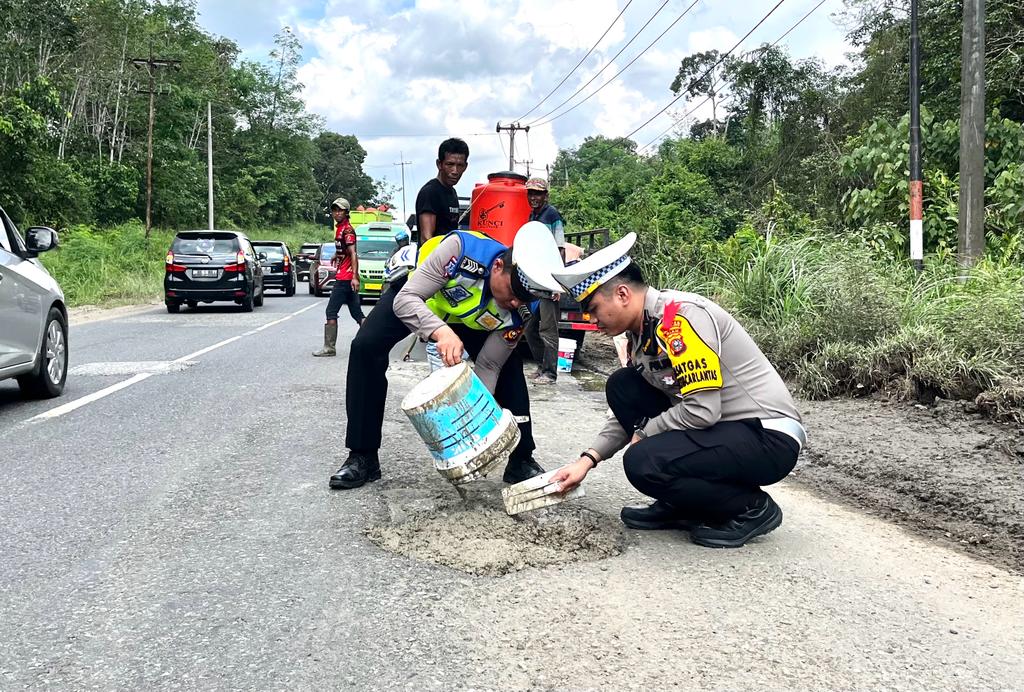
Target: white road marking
96, 396
89, 398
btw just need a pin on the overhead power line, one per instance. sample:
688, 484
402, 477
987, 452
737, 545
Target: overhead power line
718, 62
682, 93
610, 62
414, 135
627, 66
576, 67
692, 109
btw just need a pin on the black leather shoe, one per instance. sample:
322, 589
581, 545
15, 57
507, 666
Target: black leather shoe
518, 470
360, 468
656, 515
756, 520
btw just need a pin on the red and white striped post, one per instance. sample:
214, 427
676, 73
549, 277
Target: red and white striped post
916, 183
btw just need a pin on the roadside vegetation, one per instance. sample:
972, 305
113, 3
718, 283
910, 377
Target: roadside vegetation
789, 206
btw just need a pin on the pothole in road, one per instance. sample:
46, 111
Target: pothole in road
475, 534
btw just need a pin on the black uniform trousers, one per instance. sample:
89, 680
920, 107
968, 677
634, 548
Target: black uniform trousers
707, 474
366, 385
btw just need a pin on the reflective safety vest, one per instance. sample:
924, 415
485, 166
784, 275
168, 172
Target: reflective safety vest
466, 298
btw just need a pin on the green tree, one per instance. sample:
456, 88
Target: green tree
339, 169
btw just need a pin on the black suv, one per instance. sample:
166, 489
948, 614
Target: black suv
303, 258
278, 268
204, 266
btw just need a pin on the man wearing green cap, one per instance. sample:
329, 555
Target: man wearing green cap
542, 333
707, 419
346, 281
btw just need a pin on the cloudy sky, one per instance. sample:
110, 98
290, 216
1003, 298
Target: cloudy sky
402, 75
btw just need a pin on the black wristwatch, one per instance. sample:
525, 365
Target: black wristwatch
586, 453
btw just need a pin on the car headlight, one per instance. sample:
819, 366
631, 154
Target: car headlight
322, 273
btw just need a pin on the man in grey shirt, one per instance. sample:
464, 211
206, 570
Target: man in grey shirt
707, 418
542, 333
467, 292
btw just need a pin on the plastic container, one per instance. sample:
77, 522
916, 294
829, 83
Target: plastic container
465, 430
566, 353
499, 208
357, 217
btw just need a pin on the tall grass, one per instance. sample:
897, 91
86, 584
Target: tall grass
837, 319
117, 266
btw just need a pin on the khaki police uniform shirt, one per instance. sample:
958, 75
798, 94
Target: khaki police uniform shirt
411, 308
705, 361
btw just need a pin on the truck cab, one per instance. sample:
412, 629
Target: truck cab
573, 323
375, 242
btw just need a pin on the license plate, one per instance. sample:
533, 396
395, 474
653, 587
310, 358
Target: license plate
204, 273
268, 270
373, 287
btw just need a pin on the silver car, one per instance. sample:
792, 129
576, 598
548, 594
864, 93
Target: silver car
33, 317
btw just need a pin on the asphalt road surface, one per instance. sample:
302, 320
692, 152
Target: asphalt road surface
167, 525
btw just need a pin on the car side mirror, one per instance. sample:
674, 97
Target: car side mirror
40, 239
263, 255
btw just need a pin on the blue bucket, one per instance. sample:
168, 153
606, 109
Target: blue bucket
465, 430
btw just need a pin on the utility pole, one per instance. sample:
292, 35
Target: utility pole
152, 65
916, 181
403, 163
527, 164
512, 129
971, 235
209, 160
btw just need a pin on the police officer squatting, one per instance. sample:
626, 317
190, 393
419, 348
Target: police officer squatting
469, 292
707, 418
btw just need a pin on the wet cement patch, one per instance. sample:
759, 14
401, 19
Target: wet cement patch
471, 532
120, 368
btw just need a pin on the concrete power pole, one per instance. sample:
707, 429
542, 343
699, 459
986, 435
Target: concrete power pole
209, 161
403, 163
512, 129
971, 235
152, 65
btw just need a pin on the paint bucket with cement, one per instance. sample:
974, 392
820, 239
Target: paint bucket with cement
566, 353
466, 431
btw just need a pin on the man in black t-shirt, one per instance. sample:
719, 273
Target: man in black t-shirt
437, 204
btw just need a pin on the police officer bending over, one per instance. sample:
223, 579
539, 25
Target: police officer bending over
468, 291
708, 419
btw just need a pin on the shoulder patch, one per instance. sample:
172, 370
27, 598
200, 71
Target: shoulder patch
512, 335
695, 365
450, 266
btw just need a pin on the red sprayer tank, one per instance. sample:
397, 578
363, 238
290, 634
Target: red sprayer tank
499, 207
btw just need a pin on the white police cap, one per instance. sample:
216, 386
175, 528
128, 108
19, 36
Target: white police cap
584, 277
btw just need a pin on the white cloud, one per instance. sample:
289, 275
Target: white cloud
387, 69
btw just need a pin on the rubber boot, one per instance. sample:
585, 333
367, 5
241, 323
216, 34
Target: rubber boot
330, 341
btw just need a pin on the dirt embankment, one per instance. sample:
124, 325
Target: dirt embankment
945, 471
